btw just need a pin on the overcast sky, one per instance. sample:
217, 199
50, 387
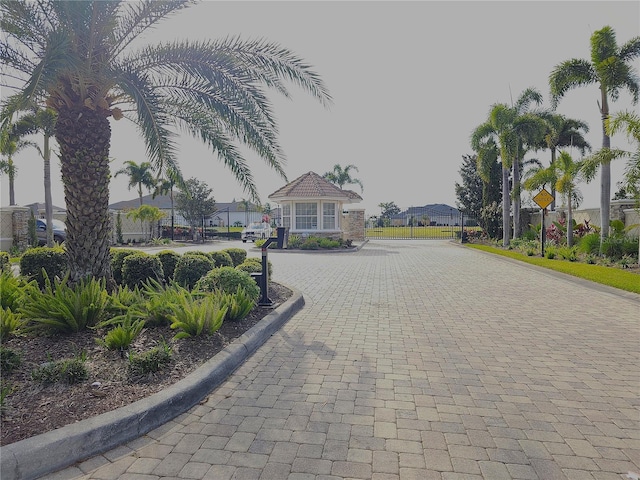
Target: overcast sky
410, 82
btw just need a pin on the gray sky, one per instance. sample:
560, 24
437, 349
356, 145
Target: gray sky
410, 82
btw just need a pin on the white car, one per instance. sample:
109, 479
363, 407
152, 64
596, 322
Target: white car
256, 231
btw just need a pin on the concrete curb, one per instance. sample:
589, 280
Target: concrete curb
60, 448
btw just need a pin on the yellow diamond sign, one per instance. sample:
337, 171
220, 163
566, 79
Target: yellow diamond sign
543, 198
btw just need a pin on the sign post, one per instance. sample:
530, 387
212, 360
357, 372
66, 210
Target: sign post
543, 198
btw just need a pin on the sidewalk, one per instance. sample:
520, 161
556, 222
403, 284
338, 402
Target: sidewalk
416, 360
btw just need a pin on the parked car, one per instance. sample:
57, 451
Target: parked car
256, 231
59, 231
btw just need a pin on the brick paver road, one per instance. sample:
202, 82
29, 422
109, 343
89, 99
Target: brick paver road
417, 360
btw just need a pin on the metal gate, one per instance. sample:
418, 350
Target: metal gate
420, 223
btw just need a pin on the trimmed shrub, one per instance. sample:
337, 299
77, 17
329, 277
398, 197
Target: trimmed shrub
228, 279
140, 268
192, 267
250, 267
221, 259
169, 260
238, 255
117, 257
258, 261
52, 259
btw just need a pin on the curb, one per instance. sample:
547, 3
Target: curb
55, 450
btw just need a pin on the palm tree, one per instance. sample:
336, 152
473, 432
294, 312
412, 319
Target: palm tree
244, 205
563, 132
611, 69
563, 175
165, 185
139, 176
629, 122
11, 142
509, 128
341, 176
79, 59
35, 121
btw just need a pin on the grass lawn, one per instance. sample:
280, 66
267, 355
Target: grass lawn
628, 280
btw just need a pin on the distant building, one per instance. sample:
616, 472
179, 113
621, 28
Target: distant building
433, 214
312, 205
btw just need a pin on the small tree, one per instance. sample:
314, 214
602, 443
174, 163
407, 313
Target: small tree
146, 213
194, 202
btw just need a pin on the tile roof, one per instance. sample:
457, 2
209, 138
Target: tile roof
312, 185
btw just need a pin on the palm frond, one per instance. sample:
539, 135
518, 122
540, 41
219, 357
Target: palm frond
568, 75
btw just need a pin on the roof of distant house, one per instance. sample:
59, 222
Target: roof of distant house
313, 186
163, 202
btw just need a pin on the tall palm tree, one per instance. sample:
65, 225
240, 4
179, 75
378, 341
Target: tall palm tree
341, 176
611, 69
563, 175
139, 176
11, 143
629, 122
78, 57
509, 128
40, 120
166, 185
563, 132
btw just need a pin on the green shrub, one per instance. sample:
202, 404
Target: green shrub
5, 261
613, 247
53, 260
550, 252
65, 309
258, 261
169, 260
70, 371
567, 253
141, 267
117, 257
12, 289
150, 361
311, 243
295, 241
238, 304
328, 243
238, 255
9, 360
589, 244
194, 318
228, 279
221, 259
10, 323
192, 267
630, 246
250, 267
122, 336
156, 306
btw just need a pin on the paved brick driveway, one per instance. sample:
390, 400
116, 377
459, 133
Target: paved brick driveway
417, 360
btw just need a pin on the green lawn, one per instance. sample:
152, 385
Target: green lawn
612, 276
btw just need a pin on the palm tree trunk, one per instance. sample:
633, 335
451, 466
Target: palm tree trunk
48, 202
605, 173
553, 185
84, 137
570, 219
12, 178
516, 198
506, 206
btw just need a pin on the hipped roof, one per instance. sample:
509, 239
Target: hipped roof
313, 186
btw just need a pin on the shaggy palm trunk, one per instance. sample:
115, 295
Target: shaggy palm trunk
84, 136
